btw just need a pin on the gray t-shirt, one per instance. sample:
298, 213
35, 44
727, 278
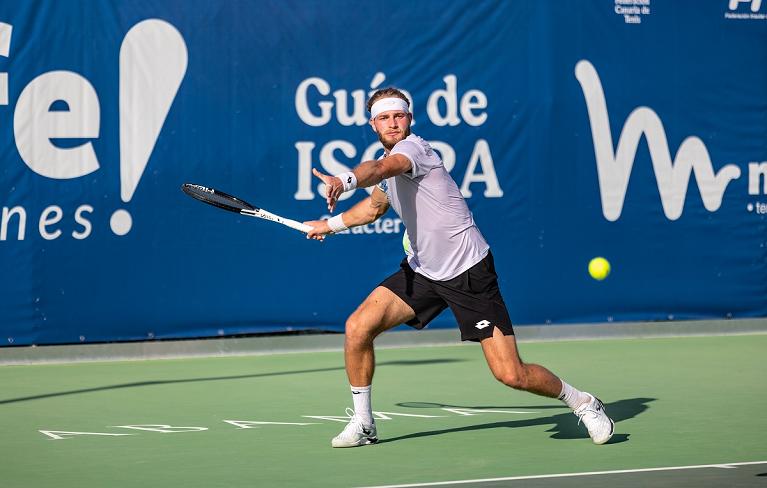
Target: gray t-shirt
444, 240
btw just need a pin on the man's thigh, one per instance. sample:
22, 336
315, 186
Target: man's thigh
380, 311
418, 293
476, 302
501, 352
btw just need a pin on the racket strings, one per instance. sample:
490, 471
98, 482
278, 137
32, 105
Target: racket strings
217, 198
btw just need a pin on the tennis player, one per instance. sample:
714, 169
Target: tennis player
449, 264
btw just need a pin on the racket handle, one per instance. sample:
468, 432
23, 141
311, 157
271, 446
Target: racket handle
297, 225
264, 214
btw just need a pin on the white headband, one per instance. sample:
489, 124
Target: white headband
387, 104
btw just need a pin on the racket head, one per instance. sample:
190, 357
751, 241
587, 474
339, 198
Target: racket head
216, 198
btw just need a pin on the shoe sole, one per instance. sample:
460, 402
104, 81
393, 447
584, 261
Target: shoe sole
363, 442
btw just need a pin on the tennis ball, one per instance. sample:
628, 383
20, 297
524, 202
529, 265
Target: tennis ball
599, 268
406, 243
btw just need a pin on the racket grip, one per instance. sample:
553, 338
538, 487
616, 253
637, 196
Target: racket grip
293, 224
297, 225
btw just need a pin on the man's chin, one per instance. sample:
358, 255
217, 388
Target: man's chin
389, 142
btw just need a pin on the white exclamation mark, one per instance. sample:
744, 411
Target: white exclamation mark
153, 61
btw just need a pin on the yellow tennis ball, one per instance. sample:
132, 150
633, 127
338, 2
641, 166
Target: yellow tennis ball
599, 268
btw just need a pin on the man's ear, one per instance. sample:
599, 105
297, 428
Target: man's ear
373, 125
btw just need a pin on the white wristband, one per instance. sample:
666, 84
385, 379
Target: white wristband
336, 223
348, 180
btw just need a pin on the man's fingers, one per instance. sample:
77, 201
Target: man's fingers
319, 175
316, 233
333, 188
332, 200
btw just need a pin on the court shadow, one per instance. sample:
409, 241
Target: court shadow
563, 425
139, 384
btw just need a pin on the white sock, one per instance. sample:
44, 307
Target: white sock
362, 407
573, 398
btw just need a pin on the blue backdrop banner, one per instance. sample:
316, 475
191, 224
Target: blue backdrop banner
630, 129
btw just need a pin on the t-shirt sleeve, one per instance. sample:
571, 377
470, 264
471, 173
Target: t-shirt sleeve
384, 187
416, 153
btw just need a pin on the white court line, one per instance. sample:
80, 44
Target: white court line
567, 475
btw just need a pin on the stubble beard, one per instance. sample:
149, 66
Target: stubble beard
389, 145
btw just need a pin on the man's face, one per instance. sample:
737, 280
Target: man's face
392, 127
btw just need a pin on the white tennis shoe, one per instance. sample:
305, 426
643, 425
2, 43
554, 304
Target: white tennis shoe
356, 433
593, 416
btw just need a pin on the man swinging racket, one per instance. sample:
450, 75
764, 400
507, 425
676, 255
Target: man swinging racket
449, 264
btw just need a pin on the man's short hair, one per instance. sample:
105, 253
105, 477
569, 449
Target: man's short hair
386, 93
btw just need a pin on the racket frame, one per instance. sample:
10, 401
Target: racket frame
199, 192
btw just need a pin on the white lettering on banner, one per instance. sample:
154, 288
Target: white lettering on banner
304, 191
302, 102
632, 10
44, 221
359, 115
480, 155
473, 99
34, 125
323, 113
64, 105
5, 47
757, 172
755, 4
22, 220
331, 165
86, 224
751, 7
446, 153
614, 167
380, 226
315, 108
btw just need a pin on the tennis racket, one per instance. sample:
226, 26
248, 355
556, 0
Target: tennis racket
233, 204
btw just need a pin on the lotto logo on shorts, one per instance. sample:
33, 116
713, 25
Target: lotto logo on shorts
482, 324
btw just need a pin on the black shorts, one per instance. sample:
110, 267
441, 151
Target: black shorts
473, 296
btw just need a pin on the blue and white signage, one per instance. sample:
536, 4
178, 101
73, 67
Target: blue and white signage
629, 129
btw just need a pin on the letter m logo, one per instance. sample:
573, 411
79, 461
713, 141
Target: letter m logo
672, 177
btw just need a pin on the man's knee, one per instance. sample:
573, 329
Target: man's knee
515, 378
357, 331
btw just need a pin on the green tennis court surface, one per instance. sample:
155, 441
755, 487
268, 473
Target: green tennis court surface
694, 405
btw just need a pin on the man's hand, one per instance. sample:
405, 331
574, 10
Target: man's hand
333, 188
320, 229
